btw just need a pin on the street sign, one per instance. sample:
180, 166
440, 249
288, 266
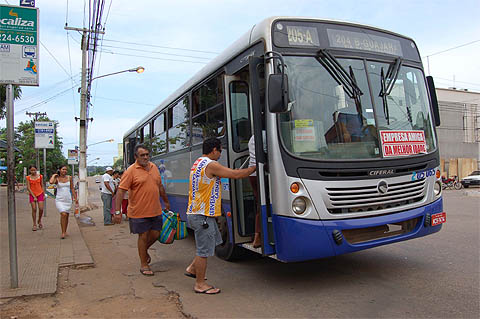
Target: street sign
27, 3
19, 45
73, 157
44, 134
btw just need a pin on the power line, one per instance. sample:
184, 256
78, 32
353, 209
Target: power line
158, 52
149, 57
450, 49
44, 101
162, 47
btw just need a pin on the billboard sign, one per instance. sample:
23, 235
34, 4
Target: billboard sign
19, 45
44, 134
73, 157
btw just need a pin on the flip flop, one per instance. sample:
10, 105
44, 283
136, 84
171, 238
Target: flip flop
146, 271
34, 228
189, 274
40, 226
206, 291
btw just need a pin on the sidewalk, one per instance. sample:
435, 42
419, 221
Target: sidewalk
39, 253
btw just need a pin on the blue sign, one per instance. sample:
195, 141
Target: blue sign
27, 3
3, 168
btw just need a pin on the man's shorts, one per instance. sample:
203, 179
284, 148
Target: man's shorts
141, 225
206, 239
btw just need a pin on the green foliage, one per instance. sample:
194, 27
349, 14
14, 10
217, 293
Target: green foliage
118, 165
24, 139
17, 93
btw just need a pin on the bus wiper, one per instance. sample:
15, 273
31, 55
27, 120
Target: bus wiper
386, 84
340, 75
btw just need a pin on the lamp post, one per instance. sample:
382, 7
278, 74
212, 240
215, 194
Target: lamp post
82, 160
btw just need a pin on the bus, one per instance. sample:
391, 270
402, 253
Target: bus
343, 120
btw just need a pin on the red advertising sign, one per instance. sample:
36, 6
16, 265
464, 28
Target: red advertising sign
403, 143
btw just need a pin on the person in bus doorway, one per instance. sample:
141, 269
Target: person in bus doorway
204, 205
257, 240
144, 185
36, 195
107, 190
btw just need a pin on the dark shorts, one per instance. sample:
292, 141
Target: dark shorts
206, 239
142, 225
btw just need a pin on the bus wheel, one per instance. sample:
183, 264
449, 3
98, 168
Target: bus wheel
226, 250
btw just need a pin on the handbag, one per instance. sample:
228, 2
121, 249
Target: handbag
167, 234
181, 232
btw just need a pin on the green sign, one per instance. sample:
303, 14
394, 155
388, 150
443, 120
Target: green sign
18, 25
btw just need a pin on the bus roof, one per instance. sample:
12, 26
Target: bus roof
259, 31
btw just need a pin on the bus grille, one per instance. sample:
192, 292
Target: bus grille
344, 200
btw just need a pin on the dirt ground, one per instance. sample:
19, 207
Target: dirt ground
114, 288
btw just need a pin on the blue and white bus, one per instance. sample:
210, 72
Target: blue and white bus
344, 124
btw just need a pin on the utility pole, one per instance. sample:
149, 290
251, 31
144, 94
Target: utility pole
37, 114
82, 159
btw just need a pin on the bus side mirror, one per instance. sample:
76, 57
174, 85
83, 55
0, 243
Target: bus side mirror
433, 99
278, 93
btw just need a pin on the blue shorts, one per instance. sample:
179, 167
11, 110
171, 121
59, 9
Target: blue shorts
206, 239
142, 225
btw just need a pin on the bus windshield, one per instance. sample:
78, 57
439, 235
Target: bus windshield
326, 121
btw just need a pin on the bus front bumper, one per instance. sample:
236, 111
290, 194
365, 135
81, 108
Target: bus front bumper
298, 239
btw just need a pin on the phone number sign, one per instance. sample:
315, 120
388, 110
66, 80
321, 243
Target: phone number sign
18, 45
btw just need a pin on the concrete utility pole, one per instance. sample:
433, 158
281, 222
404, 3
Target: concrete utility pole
82, 159
37, 114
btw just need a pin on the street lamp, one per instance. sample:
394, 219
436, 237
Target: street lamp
106, 141
82, 160
96, 159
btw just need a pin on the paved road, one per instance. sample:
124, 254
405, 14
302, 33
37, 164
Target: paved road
435, 276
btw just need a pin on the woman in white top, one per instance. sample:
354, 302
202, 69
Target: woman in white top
65, 195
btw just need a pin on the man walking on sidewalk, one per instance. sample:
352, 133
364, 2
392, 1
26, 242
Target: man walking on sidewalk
204, 205
107, 189
144, 185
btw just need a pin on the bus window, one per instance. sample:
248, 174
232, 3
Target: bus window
146, 135
208, 111
178, 123
241, 130
208, 124
159, 140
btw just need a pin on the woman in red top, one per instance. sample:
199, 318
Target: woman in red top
36, 195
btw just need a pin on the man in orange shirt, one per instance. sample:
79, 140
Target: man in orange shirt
144, 185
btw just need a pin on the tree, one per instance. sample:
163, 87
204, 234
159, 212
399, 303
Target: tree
17, 93
118, 165
24, 139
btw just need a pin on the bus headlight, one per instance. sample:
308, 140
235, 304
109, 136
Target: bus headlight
299, 205
437, 188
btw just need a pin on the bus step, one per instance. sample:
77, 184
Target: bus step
249, 246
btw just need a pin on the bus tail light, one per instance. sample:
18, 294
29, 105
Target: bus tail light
438, 174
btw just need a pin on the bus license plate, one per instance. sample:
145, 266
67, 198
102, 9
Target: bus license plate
439, 218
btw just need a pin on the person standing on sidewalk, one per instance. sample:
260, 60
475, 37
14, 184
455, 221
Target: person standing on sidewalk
65, 196
107, 190
36, 195
144, 185
204, 205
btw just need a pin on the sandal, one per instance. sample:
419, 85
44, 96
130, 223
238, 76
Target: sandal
146, 271
208, 291
40, 226
34, 228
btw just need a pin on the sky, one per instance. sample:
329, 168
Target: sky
179, 37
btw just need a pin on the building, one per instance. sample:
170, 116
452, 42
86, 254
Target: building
459, 132
120, 153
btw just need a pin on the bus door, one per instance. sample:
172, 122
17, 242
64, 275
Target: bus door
239, 133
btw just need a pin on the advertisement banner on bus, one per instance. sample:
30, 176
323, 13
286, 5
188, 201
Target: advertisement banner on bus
403, 143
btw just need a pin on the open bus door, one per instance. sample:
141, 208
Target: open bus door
244, 113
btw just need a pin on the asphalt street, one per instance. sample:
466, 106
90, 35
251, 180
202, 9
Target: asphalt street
435, 276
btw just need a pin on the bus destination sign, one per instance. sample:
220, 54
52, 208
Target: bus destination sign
364, 41
302, 36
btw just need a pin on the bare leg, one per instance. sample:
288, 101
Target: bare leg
200, 266
34, 213
40, 214
152, 237
64, 223
142, 249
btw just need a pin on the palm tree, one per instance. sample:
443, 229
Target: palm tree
17, 93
